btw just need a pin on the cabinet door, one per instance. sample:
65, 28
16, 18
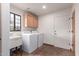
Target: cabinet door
35, 21
29, 20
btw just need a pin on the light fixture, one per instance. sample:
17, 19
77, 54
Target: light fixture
44, 7
28, 9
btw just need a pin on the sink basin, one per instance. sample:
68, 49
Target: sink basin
15, 35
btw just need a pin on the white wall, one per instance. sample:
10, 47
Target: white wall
48, 24
77, 29
5, 18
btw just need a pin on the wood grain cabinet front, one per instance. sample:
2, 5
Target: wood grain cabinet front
31, 20
35, 22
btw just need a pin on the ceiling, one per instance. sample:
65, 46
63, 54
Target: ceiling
37, 7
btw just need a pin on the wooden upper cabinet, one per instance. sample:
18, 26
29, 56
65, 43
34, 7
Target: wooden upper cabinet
31, 20
35, 21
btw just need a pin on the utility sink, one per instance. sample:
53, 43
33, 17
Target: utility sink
15, 40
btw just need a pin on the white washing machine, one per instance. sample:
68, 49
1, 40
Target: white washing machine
29, 42
40, 40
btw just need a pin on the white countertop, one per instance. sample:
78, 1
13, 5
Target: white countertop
15, 37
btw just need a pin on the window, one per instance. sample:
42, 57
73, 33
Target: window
15, 22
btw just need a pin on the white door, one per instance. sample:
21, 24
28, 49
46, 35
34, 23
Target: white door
62, 32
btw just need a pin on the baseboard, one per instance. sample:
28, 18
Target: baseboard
55, 46
71, 49
48, 44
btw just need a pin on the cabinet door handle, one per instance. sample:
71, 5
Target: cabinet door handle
55, 33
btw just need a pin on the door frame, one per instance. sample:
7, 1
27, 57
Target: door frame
73, 32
